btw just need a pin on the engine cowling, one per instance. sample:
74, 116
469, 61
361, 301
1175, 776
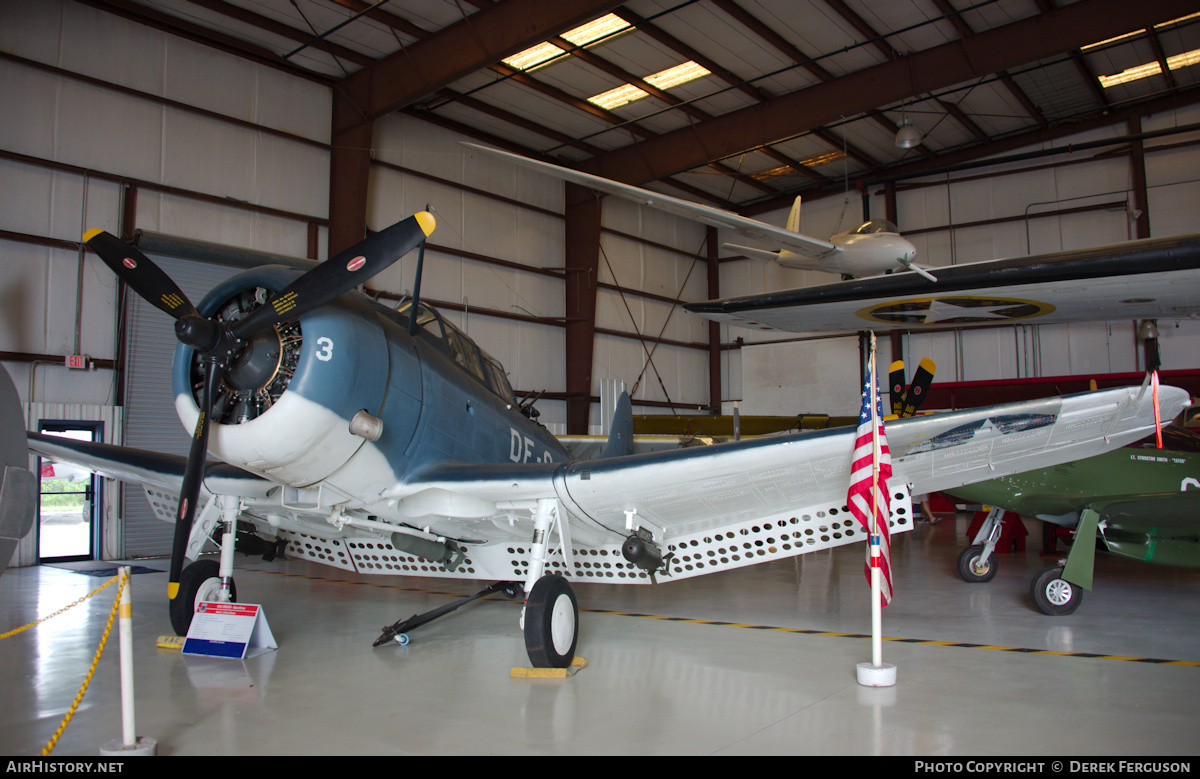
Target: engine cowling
283, 409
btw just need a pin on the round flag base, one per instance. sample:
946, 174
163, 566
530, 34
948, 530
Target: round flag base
870, 675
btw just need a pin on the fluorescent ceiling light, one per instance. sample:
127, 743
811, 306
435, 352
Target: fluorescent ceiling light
1183, 60
580, 36
1131, 74
666, 79
1186, 59
1135, 33
615, 98
680, 74
534, 56
596, 29
786, 170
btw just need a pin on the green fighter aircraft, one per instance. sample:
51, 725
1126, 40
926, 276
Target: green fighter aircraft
1141, 501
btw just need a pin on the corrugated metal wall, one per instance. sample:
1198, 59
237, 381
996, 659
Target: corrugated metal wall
150, 419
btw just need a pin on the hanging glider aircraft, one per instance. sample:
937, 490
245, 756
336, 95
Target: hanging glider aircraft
1148, 279
1141, 502
385, 441
872, 248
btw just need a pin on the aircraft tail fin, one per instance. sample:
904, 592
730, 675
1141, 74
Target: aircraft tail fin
793, 222
620, 436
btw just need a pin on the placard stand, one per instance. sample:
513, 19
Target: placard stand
236, 630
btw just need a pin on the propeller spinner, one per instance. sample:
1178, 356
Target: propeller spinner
219, 345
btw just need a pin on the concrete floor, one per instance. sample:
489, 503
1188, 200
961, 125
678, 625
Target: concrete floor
661, 679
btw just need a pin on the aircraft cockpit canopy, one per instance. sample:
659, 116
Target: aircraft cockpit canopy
432, 328
876, 226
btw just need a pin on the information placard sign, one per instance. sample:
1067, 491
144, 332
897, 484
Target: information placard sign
228, 630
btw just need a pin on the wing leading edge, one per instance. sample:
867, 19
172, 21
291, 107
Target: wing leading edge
716, 217
1152, 278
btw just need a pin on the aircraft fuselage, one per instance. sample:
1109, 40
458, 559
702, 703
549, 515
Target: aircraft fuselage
435, 396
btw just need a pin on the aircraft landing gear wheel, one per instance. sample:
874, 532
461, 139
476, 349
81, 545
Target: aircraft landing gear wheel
1053, 595
551, 623
198, 582
970, 568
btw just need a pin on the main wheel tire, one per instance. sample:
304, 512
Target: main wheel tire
198, 582
1054, 595
970, 569
551, 623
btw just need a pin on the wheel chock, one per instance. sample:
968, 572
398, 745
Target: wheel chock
577, 665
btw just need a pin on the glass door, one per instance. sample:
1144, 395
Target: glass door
69, 500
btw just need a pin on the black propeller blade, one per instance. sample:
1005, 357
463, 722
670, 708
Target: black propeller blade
919, 387
136, 270
340, 274
218, 345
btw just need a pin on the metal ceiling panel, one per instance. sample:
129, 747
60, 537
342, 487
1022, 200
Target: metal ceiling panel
762, 52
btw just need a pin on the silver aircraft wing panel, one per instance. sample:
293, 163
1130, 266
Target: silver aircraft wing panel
715, 488
1157, 278
146, 468
778, 237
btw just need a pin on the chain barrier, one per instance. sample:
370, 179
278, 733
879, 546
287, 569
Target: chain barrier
95, 660
60, 611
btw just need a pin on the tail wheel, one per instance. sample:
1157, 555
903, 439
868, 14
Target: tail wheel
973, 569
198, 582
551, 623
1054, 595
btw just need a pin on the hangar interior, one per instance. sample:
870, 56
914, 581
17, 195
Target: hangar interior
293, 127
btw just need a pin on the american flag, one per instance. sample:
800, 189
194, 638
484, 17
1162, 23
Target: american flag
862, 481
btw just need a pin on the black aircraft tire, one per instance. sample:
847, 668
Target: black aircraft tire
201, 577
966, 565
551, 623
1053, 595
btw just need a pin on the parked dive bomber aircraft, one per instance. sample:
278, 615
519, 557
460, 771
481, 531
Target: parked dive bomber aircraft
386, 442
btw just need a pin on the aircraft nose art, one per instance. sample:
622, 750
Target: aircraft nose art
286, 408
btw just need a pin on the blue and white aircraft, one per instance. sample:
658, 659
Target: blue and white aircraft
385, 441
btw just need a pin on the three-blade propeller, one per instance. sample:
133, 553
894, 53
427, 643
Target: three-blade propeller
218, 344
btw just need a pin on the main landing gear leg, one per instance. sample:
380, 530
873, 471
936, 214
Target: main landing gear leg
978, 562
206, 580
550, 619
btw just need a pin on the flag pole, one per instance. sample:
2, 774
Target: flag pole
876, 571
875, 674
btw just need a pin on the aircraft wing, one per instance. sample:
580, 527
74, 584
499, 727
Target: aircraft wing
1172, 512
149, 469
1156, 278
777, 237
737, 503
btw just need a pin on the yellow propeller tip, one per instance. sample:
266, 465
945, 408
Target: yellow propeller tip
898, 364
172, 590
90, 234
427, 222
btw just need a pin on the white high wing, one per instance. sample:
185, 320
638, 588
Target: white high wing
872, 248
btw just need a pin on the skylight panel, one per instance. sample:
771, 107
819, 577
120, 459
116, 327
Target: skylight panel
666, 79
1175, 62
580, 36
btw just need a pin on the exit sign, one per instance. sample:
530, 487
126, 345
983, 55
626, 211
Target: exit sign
77, 361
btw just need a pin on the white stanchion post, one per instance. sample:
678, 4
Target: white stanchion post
129, 744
